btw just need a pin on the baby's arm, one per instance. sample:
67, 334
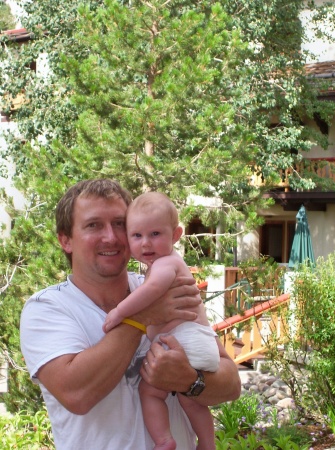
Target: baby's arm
161, 276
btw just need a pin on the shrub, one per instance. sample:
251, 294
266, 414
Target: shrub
304, 353
25, 431
247, 423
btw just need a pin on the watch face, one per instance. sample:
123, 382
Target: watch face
197, 388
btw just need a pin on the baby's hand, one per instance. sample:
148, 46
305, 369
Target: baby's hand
111, 320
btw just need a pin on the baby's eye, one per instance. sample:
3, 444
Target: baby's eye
138, 235
155, 233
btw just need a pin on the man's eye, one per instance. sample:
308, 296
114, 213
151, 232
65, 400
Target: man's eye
120, 224
92, 225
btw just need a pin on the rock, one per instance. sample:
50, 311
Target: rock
272, 391
286, 403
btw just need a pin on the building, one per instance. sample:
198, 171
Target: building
275, 237
20, 36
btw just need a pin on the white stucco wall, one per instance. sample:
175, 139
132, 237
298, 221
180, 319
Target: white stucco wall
247, 245
322, 49
16, 11
19, 204
215, 307
322, 228
8, 170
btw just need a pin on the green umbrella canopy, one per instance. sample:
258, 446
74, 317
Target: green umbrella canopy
302, 248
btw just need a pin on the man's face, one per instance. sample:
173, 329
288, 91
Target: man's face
99, 244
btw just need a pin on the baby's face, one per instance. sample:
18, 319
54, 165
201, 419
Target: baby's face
150, 236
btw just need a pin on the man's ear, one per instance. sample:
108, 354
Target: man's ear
177, 234
65, 242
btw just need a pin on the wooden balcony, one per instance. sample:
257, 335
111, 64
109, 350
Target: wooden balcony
237, 292
315, 167
245, 336
258, 314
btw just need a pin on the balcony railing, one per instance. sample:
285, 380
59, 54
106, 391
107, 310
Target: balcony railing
320, 167
237, 292
245, 336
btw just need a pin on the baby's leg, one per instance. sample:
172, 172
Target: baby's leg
201, 420
156, 416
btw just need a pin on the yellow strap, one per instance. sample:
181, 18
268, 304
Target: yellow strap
135, 324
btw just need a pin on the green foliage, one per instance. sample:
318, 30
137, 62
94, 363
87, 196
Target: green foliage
251, 441
154, 96
26, 431
247, 424
315, 294
331, 418
264, 276
7, 21
239, 415
287, 434
306, 350
277, 40
285, 443
30, 259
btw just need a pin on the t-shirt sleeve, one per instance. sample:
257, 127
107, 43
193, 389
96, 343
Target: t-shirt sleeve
46, 332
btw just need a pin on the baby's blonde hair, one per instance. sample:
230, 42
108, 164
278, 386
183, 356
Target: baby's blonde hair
155, 201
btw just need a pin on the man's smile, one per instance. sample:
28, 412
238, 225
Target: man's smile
110, 253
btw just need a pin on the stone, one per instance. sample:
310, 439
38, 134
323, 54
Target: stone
286, 403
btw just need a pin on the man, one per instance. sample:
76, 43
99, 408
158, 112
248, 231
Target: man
89, 379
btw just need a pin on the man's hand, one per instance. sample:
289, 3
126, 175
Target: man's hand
180, 302
166, 367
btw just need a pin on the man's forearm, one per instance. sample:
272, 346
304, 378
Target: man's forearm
80, 381
221, 386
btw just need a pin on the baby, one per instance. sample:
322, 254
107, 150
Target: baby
152, 230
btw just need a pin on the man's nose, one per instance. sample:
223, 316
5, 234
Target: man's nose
109, 233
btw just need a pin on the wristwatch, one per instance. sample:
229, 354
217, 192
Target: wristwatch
197, 387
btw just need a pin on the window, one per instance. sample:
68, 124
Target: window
202, 244
276, 239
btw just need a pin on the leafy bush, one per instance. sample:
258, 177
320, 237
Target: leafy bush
304, 353
263, 274
239, 415
26, 431
248, 424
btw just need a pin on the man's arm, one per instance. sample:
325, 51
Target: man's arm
170, 370
80, 381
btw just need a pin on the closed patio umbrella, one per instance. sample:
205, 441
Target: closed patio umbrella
302, 248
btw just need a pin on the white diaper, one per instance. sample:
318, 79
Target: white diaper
199, 343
